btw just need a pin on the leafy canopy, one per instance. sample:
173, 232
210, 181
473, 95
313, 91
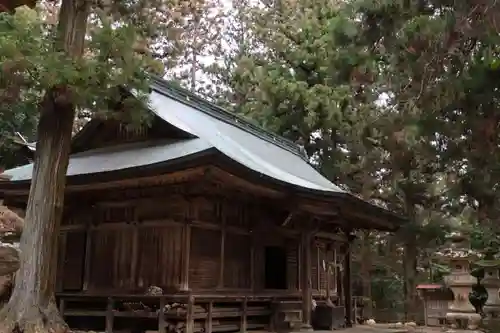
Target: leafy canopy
31, 63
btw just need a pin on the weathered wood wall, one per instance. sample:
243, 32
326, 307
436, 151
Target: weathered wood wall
176, 239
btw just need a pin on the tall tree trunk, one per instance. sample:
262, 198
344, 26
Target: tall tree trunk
366, 255
410, 277
194, 60
410, 257
32, 306
366, 264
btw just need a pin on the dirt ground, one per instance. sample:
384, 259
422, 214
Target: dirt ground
384, 328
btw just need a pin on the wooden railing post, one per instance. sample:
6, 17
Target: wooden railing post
109, 316
208, 323
62, 306
243, 326
189, 315
161, 316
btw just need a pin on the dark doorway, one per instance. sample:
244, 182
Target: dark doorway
275, 268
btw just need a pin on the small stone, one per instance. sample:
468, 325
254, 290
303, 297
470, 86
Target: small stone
396, 325
154, 291
410, 324
370, 322
411, 329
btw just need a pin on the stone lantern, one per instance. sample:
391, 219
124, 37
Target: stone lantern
491, 282
461, 313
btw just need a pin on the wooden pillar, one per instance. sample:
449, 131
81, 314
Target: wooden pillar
134, 281
162, 325
62, 306
190, 315
252, 261
220, 283
109, 316
306, 267
350, 318
209, 322
59, 260
186, 256
244, 309
88, 257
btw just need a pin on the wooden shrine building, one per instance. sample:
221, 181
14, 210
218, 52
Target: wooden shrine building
197, 222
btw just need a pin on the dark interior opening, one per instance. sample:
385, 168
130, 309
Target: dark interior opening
275, 268
73, 262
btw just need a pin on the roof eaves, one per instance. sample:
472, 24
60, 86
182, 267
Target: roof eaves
395, 219
188, 98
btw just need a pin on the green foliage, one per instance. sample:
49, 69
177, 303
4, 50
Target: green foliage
315, 72
386, 291
449, 84
31, 64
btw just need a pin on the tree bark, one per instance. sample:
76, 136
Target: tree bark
366, 265
32, 307
410, 259
410, 278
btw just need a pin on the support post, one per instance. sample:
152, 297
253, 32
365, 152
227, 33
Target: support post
243, 326
252, 262
88, 257
189, 315
306, 280
135, 256
109, 316
62, 306
350, 317
209, 322
187, 255
220, 283
60, 261
162, 327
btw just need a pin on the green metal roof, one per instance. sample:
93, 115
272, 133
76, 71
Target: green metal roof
120, 157
237, 138
213, 128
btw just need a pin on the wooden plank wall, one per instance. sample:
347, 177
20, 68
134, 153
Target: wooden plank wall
71, 265
161, 245
204, 260
237, 257
110, 259
203, 243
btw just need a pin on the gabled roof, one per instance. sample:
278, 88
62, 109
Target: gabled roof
208, 128
236, 137
121, 157
232, 135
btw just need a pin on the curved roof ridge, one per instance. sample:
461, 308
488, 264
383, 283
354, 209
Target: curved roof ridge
186, 97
